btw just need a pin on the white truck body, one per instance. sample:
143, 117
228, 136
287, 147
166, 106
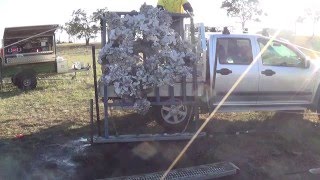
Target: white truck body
236, 72
281, 78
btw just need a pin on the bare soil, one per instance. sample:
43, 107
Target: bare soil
264, 146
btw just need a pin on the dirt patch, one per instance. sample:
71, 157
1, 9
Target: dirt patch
268, 146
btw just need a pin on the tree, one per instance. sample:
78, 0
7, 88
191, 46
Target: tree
245, 10
60, 29
309, 14
83, 26
97, 14
299, 19
314, 16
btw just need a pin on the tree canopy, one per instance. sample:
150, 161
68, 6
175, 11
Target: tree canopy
245, 10
310, 14
83, 26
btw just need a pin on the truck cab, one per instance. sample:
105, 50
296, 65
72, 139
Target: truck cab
263, 73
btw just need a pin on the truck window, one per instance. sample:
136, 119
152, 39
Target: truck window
279, 54
234, 51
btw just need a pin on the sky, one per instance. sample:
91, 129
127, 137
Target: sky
281, 13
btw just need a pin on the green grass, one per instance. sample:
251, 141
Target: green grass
56, 99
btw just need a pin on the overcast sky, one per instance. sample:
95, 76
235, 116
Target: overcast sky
281, 13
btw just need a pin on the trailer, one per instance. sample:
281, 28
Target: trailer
29, 52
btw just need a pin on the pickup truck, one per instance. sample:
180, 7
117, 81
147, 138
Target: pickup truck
264, 75
280, 78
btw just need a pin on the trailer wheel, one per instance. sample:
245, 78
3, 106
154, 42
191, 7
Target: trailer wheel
14, 80
27, 81
173, 117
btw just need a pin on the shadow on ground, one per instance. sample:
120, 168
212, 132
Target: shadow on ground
8, 91
272, 148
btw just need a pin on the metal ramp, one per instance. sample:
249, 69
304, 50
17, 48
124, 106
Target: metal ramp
202, 172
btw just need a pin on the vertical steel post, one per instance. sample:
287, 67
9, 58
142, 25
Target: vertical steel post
55, 44
103, 30
1, 61
194, 75
96, 98
157, 93
105, 86
184, 88
91, 121
171, 93
195, 93
106, 115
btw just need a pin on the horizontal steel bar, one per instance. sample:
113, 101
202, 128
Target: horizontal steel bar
153, 103
146, 137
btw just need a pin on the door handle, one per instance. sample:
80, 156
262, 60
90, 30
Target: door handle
224, 71
268, 72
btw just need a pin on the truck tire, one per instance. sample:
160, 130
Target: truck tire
173, 117
26, 81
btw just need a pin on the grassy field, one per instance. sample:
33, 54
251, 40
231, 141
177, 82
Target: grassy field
41, 131
57, 99
56, 110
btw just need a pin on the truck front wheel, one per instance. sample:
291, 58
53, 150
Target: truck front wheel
27, 81
173, 117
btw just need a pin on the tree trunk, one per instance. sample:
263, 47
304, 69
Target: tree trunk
313, 28
243, 24
87, 41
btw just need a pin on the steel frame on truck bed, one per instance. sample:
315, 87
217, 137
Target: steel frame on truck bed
158, 100
209, 171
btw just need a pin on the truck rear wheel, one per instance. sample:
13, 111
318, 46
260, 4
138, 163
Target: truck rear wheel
26, 81
173, 117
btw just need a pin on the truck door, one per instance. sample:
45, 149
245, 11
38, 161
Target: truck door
233, 56
284, 77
